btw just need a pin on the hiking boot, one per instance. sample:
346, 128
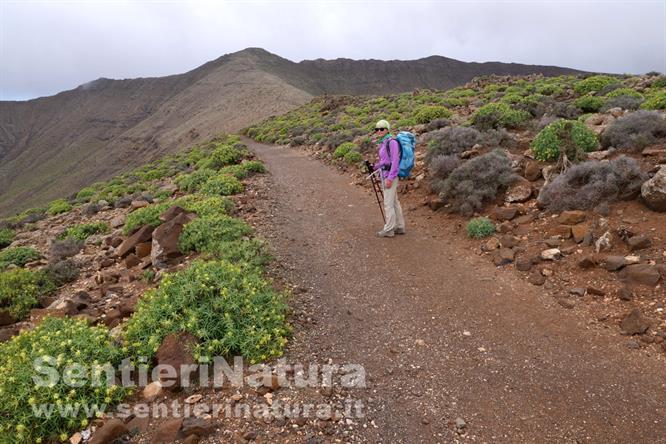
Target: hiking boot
385, 233
399, 231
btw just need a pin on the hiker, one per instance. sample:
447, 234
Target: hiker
388, 165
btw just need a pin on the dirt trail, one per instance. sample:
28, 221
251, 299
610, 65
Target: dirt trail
446, 335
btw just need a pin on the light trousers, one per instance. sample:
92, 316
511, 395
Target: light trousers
392, 209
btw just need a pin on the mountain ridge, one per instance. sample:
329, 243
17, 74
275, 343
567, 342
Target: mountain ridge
53, 145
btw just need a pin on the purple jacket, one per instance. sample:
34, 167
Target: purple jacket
389, 159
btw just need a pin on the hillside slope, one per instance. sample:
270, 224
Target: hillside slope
55, 145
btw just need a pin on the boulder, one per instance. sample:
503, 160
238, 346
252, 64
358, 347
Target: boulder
136, 204
152, 391
175, 352
143, 234
532, 170
165, 240
503, 256
172, 213
634, 323
536, 278
614, 263
653, 191
509, 241
143, 249
118, 221
167, 432
587, 262
551, 254
524, 219
505, 213
643, 274
132, 260
524, 264
110, 431
579, 231
639, 242
434, 203
564, 231
491, 244
572, 217
519, 191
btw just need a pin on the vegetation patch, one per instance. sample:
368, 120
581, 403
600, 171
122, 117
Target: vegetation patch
499, 115
58, 207
6, 237
84, 231
18, 256
569, 137
634, 131
589, 104
480, 227
426, 114
231, 310
222, 185
589, 184
64, 342
594, 84
20, 290
476, 182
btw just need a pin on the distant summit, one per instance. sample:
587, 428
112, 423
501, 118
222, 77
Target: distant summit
61, 143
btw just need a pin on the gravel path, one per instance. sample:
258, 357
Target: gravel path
445, 336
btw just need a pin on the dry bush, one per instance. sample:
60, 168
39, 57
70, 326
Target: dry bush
61, 249
586, 185
440, 168
477, 181
451, 140
624, 102
634, 131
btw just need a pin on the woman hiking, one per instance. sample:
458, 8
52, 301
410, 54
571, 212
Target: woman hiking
388, 165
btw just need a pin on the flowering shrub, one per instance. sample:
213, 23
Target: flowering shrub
230, 309
64, 342
568, 136
58, 206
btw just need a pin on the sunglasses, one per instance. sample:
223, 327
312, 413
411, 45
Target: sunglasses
379, 129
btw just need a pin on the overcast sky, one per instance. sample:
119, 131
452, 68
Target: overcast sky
50, 46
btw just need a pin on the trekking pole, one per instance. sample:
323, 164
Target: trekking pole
375, 187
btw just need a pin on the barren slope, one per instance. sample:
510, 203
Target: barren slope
55, 145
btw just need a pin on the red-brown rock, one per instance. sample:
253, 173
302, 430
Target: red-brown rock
165, 240
143, 234
175, 351
110, 430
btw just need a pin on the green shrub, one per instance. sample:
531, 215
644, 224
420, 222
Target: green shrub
498, 115
18, 256
149, 215
6, 237
20, 290
550, 89
656, 100
480, 227
205, 206
58, 207
83, 231
230, 309
589, 104
222, 184
85, 194
343, 149
221, 156
193, 181
254, 166
67, 341
624, 92
568, 136
353, 157
593, 84
238, 171
425, 114
204, 234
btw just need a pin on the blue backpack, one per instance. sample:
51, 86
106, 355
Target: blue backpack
407, 143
